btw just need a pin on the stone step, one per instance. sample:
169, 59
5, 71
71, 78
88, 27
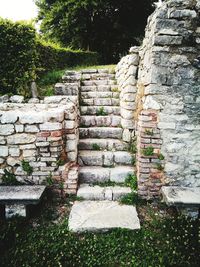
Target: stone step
104, 158
101, 86
100, 102
102, 216
101, 132
108, 110
87, 95
96, 192
93, 174
103, 144
100, 121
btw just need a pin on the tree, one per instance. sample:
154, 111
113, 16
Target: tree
109, 27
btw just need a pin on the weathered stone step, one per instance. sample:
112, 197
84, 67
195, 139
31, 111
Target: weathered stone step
101, 132
104, 158
99, 121
87, 110
113, 193
101, 86
102, 216
86, 95
100, 102
103, 144
94, 174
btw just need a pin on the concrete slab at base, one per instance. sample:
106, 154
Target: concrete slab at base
176, 195
102, 216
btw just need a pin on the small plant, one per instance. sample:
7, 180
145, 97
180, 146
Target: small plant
115, 89
132, 148
96, 147
49, 91
132, 199
101, 112
60, 162
9, 179
159, 167
107, 183
133, 160
148, 151
131, 181
149, 132
49, 180
161, 157
26, 167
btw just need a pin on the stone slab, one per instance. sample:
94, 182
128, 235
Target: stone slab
102, 216
89, 192
21, 194
175, 195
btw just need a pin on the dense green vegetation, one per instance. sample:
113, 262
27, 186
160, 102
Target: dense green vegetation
106, 26
164, 240
23, 57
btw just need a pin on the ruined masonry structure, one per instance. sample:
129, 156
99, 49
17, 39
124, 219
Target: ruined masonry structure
100, 124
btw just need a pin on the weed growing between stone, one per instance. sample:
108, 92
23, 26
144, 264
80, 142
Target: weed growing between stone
162, 241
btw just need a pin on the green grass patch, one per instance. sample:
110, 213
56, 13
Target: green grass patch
168, 242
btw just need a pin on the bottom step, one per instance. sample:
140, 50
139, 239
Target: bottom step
102, 216
102, 193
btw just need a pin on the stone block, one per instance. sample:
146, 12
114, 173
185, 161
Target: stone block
23, 138
3, 151
6, 129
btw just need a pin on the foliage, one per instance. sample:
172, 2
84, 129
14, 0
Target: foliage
26, 167
101, 112
132, 199
131, 181
17, 56
159, 167
149, 132
162, 244
106, 26
148, 151
53, 57
161, 157
9, 178
96, 147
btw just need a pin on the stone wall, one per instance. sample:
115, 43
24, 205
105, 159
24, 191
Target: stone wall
44, 134
126, 76
168, 99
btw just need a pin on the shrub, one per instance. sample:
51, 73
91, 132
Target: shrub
17, 56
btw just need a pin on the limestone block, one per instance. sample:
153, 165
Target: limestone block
9, 117
54, 115
122, 157
128, 124
4, 99
108, 159
13, 161
21, 139
127, 96
19, 128
185, 13
51, 126
14, 151
127, 114
167, 40
2, 140
151, 103
31, 118
128, 105
17, 99
102, 215
6, 129
31, 129
126, 135
3, 151
71, 145
70, 124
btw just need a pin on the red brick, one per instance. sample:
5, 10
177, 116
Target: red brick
43, 134
56, 133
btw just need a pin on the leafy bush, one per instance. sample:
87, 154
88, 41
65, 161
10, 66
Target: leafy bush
9, 178
131, 181
17, 56
26, 167
53, 57
22, 56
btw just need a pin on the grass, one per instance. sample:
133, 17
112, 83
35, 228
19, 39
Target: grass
47, 81
163, 240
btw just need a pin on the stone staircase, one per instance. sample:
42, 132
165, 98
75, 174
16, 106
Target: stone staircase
103, 157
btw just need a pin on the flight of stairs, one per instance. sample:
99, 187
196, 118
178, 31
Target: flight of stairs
103, 156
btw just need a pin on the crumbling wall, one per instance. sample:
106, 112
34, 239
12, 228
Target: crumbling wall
168, 99
46, 136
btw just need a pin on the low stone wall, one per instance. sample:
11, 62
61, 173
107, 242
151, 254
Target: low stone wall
126, 75
45, 135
